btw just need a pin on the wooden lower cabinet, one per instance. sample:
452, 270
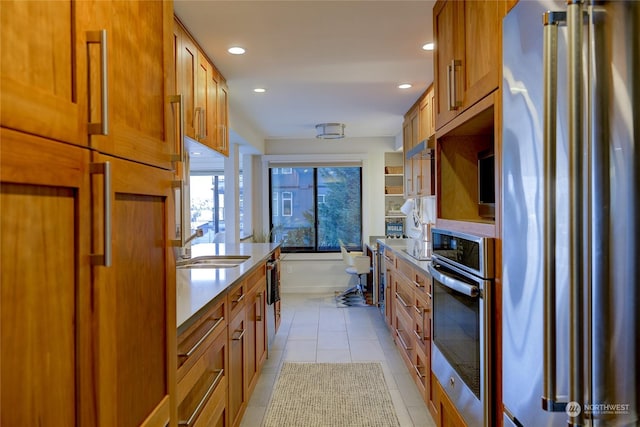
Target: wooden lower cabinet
45, 288
220, 356
447, 415
203, 366
238, 348
72, 327
409, 316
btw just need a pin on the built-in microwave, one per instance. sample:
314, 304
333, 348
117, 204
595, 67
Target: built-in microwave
486, 184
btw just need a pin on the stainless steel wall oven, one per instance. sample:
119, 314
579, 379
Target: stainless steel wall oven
462, 272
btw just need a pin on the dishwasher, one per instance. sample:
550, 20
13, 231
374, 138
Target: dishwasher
273, 295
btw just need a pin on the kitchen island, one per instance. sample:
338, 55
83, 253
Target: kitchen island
222, 331
197, 288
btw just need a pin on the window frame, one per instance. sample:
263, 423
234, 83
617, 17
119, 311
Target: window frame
279, 170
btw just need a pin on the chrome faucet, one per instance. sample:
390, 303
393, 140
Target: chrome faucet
186, 252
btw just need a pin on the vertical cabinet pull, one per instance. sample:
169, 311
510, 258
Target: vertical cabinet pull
259, 316
454, 104
101, 128
179, 155
104, 169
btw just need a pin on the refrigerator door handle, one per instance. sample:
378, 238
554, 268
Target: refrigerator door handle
551, 21
576, 148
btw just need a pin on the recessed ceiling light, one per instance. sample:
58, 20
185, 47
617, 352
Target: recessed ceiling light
404, 86
195, 153
428, 46
259, 90
236, 50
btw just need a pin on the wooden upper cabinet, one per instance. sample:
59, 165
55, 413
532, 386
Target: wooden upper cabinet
427, 125
223, 118
139, 61
467, 62
204, 93
43, 70
211, 116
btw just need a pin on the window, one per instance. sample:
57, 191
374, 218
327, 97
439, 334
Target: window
286, 203
314, 208
274, 202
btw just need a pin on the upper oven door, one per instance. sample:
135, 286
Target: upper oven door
459, 326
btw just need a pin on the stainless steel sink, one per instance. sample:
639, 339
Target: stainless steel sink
213, 261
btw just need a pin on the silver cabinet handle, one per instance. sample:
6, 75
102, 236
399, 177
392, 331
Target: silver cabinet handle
196, 412
399, 297
455, 104
449, 103
417, 368
103, 127
179, 155
551, 20
104, 169
189, 352
259, 316
239, 337
178, 193
404, 344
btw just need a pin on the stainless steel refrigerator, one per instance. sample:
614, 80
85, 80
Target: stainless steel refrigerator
570, 212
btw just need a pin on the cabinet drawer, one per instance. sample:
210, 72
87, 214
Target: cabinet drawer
422, 320
214, 413
421, 370
207, 376
198, 337
405, 268
389, 258
404, 296
256, 277
236, 298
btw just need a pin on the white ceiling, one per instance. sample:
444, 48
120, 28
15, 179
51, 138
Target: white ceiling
320, 61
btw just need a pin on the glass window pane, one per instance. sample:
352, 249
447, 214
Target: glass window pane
295, 225
340, 216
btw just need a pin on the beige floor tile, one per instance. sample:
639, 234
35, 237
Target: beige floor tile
333, 356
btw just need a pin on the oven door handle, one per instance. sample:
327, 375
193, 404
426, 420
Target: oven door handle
453, 283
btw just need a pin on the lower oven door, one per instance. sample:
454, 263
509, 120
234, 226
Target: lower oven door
461, 357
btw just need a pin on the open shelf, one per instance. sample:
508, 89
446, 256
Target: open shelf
460, 146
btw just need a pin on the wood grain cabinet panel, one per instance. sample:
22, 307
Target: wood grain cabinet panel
45, 284
139, 52
135, 296
467, 56
43, 69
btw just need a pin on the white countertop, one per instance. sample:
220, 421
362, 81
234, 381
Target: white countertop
399, 247
196, 288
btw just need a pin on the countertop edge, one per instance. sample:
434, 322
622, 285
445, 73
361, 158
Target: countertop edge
219, 288
398, 246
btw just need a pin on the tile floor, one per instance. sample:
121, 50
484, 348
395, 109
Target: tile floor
313, 329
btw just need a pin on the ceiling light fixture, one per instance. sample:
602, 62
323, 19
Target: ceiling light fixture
259, 90
428, 46
236, 50
330, 130
404, 86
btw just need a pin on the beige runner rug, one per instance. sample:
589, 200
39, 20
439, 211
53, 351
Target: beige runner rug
331, 394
